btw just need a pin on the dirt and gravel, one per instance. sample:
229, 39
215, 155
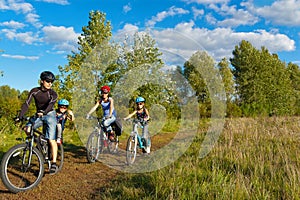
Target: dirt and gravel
77, 180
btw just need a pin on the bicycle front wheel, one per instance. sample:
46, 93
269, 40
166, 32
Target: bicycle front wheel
93, 147
131, 149
21, 171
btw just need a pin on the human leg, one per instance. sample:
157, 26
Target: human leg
146, 135
59, 133
50, 122
107, 123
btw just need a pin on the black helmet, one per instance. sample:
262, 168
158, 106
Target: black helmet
47, 75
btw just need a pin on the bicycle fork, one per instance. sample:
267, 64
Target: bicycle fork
28, 147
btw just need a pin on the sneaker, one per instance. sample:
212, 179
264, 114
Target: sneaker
53, 169
59, 141
148, 150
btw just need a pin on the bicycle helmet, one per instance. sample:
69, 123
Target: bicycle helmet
63, 102
47, 75
105, 89
139, 99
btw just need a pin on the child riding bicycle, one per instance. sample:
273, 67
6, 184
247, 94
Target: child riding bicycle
109, 113
62, 114
143, 116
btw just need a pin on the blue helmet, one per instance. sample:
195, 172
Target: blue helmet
139, 99
63, 102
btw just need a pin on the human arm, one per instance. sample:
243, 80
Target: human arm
26, 104
130, 115
111, 107
93, 109
70, 115
147, 115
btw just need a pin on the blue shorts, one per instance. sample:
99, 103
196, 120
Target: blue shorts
50, 124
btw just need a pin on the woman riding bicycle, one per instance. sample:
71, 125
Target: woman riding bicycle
142, 115
109, 113
45, 99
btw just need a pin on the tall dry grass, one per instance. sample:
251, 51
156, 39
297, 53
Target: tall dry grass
253, 159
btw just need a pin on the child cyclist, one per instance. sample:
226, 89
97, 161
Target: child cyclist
62, 114
109, 113
142, 115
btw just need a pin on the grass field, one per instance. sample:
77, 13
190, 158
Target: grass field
253, 159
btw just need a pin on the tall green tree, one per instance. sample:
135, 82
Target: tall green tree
262, 83
203, 76
97, 31
233, 109
294, 74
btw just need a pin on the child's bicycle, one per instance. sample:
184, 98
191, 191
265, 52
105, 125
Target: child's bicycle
99, 140
22, 166
136, 141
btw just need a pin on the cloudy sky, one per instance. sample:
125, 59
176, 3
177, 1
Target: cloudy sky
37, 35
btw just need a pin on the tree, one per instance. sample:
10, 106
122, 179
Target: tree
233, 109
97, 32
204, 78
262, 83
294, 75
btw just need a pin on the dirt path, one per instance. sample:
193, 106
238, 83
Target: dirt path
78, 178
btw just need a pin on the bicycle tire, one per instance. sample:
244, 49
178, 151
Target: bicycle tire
131, 149
16, 176
93, 147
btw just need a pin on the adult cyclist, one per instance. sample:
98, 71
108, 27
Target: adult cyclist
45, 99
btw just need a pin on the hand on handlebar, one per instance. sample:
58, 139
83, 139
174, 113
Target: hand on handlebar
17, 119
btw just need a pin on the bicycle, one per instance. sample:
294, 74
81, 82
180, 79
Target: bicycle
22, 166
136, 141
98, 140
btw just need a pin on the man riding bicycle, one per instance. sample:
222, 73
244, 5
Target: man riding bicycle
45, 99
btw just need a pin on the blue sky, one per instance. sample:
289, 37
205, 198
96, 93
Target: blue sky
37, 35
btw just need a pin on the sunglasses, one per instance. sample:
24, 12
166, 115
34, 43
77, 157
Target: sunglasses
104, 92
140, 103
49, 81
64, 107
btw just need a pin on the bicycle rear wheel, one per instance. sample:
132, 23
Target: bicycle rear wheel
131, 149
18, 171
94, 147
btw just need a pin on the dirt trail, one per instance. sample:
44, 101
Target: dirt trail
78, 179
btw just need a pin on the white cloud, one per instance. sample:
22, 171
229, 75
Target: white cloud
13, 24
33, 19
206, 1
20, 57
25, 37
63, 38
232, 17
198, 13
281, 12
162, 15
126, 8
61, 2
16, 6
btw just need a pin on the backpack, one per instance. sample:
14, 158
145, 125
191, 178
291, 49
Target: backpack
117, 126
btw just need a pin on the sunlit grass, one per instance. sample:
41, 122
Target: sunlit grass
254, 159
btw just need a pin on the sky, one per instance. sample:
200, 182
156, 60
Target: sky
37, 35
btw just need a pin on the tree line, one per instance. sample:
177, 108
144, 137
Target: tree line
255, 82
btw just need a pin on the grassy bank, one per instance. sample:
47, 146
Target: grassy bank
253, 159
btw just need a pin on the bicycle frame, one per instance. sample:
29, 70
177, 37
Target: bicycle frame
22, 166
98, 140
136, 125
